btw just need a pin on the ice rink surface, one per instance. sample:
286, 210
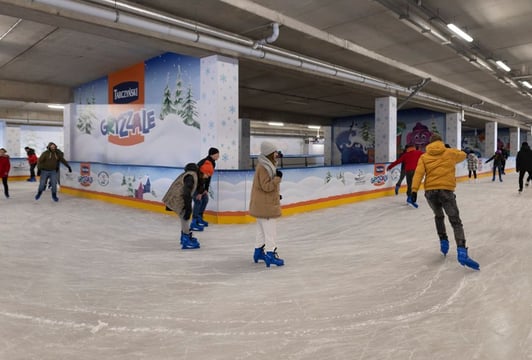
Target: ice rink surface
82, 279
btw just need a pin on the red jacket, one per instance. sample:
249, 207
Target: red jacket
5, 165
33, 159
409, 158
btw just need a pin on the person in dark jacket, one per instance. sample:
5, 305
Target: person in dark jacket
178, 198
265, 204
409, 159
5, 166
201, 196
523, 163
498, 159
47, 166
32, 160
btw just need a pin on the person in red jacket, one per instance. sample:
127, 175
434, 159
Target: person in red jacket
5, 166
409, 159
32, 160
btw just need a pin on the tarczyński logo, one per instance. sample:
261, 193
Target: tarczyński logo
126, 92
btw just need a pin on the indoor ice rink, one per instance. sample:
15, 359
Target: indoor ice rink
84, 279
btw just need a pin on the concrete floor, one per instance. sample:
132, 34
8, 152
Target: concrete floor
83, 279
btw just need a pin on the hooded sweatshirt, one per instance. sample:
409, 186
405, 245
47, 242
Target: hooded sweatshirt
438, 166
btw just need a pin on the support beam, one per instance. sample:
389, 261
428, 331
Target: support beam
30, 92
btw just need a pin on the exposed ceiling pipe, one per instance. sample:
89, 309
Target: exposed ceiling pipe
270, 39
220, 40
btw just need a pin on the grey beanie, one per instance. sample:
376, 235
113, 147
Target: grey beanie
266, 148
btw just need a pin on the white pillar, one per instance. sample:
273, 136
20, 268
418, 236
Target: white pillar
453, 129
515, 141
491, 139
220, 126
244, 161
385, 129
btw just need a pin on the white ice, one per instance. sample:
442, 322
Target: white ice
83, 279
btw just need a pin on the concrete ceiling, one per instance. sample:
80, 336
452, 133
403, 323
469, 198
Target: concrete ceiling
387, 47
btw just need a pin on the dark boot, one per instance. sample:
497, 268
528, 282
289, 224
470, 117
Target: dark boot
195, 226
272, 257
37, 197
465, 260
259, 254
54, 197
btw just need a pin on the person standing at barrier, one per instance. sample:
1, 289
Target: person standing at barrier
5, 166
497, 158
438, 167
201, 196
178, 198
472, 165
47, 165
32, 161
265, 204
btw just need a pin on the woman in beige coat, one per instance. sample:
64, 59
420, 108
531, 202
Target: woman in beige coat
265, 204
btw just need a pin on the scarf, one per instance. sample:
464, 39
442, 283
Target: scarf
264, 161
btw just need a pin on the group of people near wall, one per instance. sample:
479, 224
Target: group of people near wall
192, 186
47, 165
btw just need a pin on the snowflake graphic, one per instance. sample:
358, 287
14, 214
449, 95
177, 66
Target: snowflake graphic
223, 78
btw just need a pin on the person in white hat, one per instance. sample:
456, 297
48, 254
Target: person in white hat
265, 204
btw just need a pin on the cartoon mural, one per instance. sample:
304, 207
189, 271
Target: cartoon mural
356, 144
419, 136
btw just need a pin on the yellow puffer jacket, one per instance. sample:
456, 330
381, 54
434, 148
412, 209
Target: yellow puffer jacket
438, 166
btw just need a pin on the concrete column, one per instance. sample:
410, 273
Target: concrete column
68, 121
453, 129
244, 161
385, 129
220, 126
491, 139
12, 141
515, 141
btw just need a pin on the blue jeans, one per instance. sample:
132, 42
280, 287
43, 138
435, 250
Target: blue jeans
445, 200
45, 175
199, 206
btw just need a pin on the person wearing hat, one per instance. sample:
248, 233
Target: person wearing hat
178, 198
265, 204
47, 166
497, 158
409, 159
201, 196
32, 160
438, 167
523, 163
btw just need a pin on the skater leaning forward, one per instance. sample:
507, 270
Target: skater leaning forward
265, 204
438, 167
178, 198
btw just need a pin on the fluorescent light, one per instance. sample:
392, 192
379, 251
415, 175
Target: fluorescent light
273, 123
56, 106
502, 65
316, 127
460, 32
527, 84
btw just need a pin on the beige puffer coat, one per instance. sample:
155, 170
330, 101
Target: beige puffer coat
265, 199
174, 196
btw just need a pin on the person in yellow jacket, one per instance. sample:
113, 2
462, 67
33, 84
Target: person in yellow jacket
438, 167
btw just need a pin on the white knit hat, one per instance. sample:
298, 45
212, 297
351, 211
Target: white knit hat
266, 148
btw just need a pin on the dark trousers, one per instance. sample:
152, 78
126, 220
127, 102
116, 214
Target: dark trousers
200, 206
445, 200
32, 170
522, 175
402, 176
409, 178
474, 173
498, 167
6, 188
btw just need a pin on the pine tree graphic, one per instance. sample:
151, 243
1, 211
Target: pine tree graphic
189, 112
328, 177
86, 116
167, 106
178, 99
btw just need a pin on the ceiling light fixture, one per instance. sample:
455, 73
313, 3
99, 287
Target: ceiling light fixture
526, 84
10, 29
315, 127
502, 65
53, 106
455, 29
273, 123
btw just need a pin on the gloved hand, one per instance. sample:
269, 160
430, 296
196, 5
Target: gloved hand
413, 196
69, 169
279, 173
187, 214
